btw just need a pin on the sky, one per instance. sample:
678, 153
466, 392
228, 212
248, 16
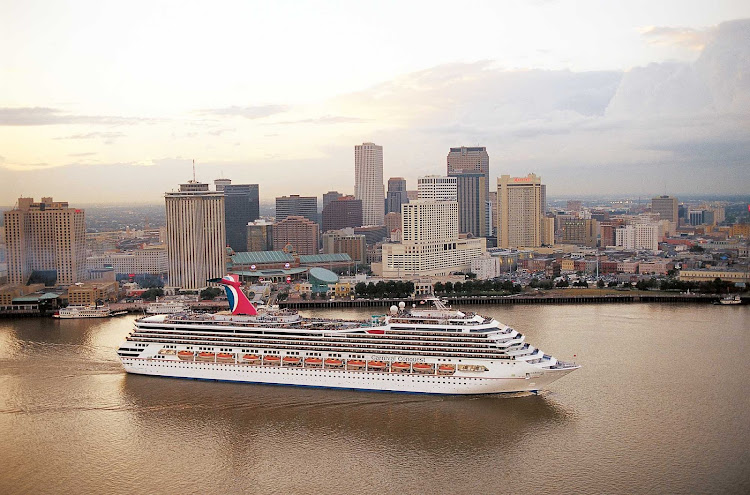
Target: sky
112, 101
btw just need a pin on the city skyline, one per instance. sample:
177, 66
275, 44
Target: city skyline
659, 103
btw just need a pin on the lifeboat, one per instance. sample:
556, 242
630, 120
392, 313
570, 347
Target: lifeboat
400, 367
292, 361
251, 358
185, 355
313, 362
376, 365
446, 369
272, 360
423, 368
355, 364
333, 363
206, 356
224, 357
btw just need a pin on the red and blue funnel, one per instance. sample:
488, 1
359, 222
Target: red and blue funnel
238, 301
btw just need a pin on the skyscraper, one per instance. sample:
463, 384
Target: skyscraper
240, 208
342, 213
196, 235
330, 196
298, 232
368, 182
260, 236
296, 205
473, 204
666, 207
396, 195
521, 205
47, 237
437, 188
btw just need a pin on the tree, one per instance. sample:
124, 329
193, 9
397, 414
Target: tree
438, 288
448, 287
600, 284
360, 289
562, 283
152, 294
209, 293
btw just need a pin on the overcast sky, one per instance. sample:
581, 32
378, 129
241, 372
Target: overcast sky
110, 101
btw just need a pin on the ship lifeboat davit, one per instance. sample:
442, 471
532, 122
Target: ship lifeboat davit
225, 357
313, 362
355, 364
272, 360
185, 355
446, 369
333, 363
206, 356
401, 367
292, 361
251, 358
423, 368
376, 365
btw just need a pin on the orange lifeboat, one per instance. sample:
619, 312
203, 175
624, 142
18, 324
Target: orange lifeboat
272, 360
446, 369
355, 364
292, 361
224, 357
313, 362
376, 365
251, 358
423, 368
206, 356
401, 367
333, 363
185, 355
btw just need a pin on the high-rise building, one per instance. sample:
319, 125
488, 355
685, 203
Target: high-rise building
639, 236
472, 203
48, 236
666, 206
396, 195
220, 184
368, 182
469, 159
430, 244
297, 232
259, 236
296, 205
579, 231
393, 225
330, 196
521, 205
196, 235
437, 188
354, 245
241, 207
466, 160
342, 213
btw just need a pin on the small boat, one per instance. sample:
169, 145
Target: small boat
355, 364
186, 355
446, 369
272, 360
401, 367
292, 361
333, 363
251, 358
313, 362
83, 312
225, 357
731, 299
376, 365
206, 356
423, 368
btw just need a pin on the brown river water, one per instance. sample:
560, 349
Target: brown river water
660, 405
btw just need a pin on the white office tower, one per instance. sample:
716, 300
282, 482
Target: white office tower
368, 182
437, 188
195, 235
521, 205
638, 237
430, 245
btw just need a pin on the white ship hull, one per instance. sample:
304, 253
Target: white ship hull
516, 380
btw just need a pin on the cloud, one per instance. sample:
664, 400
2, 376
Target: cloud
693, 39
31, 116
327, 120
94, 135
249, 112
90, 153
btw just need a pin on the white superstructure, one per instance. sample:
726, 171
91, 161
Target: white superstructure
437, 350
83, 312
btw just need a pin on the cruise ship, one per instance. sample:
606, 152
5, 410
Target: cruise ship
437, 350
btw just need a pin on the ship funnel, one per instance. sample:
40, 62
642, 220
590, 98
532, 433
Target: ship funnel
238, 301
